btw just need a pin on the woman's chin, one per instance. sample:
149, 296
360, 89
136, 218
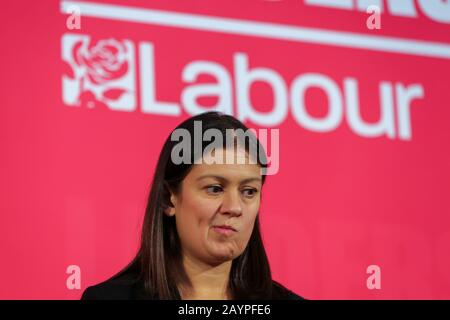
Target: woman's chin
222, 253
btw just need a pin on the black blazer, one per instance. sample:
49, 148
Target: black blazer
127, 286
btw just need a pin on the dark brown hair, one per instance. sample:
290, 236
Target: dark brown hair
159, 257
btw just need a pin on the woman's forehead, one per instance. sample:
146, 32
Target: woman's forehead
227, 172
230, 155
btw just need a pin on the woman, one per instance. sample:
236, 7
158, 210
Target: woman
201, 236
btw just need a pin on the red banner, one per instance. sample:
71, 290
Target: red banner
359, 91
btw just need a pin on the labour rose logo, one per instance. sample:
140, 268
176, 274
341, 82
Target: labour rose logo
98, 73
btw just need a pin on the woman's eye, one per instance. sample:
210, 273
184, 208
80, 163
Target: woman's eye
214, 189
249, 192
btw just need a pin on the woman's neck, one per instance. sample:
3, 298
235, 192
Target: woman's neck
209, 282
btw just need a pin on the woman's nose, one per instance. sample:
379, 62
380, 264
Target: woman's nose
231, 203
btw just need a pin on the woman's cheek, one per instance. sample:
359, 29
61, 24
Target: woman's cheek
247, 229
200, 213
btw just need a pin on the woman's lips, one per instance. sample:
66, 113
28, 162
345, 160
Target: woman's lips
225, 230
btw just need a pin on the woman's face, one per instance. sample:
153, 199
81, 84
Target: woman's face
213, 195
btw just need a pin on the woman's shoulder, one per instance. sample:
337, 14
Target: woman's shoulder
280, 292
128, 286
119, 287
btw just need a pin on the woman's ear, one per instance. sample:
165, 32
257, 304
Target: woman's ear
170, 209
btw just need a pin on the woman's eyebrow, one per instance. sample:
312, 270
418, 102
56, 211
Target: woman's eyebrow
224, 180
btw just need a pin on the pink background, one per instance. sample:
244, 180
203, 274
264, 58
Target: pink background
74, 179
